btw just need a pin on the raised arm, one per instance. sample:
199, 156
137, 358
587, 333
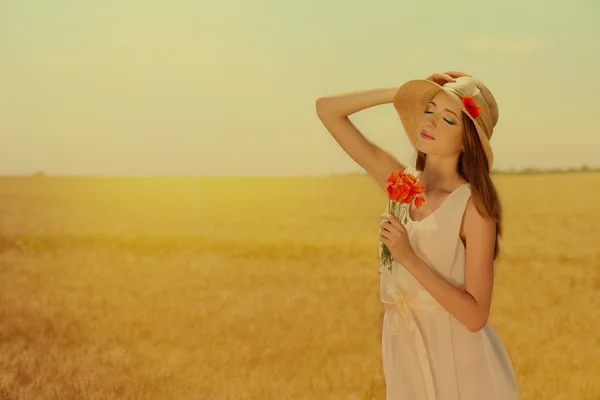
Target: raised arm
334, 110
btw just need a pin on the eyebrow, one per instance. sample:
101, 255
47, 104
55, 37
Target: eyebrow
431, 102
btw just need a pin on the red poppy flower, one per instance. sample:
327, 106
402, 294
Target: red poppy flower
419, 201
404, 188
472, 107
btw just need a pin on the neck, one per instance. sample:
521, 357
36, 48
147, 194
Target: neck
441, 173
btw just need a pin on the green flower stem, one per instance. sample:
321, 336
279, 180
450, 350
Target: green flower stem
386, 255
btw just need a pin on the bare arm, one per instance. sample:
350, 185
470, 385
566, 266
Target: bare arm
334, 110
470, 306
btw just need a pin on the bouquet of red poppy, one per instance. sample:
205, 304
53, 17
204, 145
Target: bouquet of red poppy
402, 188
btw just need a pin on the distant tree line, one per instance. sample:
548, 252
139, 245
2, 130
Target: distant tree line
511, 171
523, 171
536, 170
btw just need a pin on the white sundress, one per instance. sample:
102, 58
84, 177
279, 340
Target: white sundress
427, 353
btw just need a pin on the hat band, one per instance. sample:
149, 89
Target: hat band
484, 118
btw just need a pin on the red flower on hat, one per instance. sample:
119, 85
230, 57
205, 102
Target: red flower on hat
472, 107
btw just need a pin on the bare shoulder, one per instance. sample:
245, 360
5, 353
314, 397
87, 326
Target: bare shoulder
478, 228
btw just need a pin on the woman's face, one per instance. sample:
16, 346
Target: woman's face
440, 128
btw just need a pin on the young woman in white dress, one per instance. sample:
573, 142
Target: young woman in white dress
437, 342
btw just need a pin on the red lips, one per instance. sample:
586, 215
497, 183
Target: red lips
426, 135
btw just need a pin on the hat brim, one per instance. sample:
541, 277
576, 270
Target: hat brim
410, 102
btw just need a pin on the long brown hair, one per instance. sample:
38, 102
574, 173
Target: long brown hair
473, 167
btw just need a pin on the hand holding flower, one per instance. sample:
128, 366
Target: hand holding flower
403, 189
394, 235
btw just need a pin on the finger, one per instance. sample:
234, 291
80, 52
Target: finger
387, 227
387, 231
385, 238
388, 242
391, 220
392, 235
456, 74
447, 78
441, 76
435, 77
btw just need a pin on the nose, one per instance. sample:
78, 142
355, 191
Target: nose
430, 122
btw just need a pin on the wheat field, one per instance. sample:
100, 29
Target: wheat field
264, 288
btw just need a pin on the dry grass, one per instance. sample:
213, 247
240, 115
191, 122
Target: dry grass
263, 288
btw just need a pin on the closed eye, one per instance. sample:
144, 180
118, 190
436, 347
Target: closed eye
430, 112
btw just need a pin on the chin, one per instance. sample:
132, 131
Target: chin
423, 147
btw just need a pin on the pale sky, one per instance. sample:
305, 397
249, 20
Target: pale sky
229, 87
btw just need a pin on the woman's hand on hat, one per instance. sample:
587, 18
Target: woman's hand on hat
440, 78
448, 76
456, 74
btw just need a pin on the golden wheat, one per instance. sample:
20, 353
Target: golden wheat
264, 288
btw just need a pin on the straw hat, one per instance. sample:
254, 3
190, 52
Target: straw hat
474, 98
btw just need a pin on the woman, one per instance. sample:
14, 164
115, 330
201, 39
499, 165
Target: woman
437, 342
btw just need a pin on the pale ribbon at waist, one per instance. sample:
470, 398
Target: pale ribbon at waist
405, 309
